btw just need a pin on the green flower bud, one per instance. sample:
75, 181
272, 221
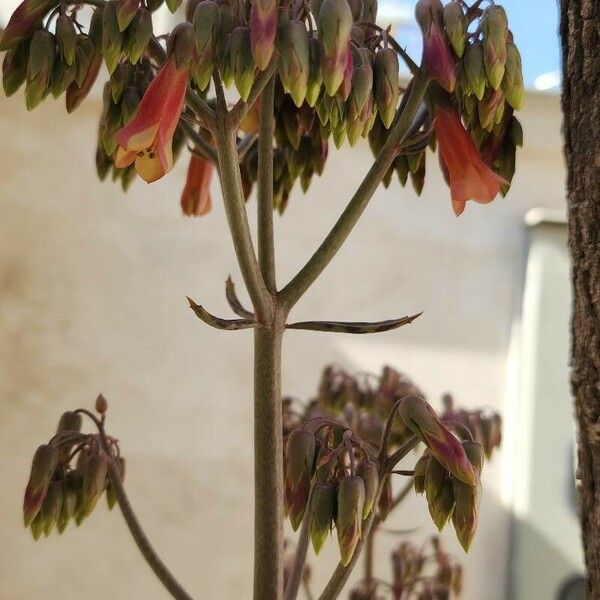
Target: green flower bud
63, 75
322, 507
315, 76
421, 471
140, 34
27, 16
42, 53
37, 527
369, 473
118, 81
94, 482
401, 168
300, 456
71, 493
491, 109
515, 133
387, 85
263, 29
494, 26
350, 505
96, 25
512, 83
14, 68
361, 90
466, 511
112, 38
80, 88
294, 64
173, 5
129, 103
181, 44
126, 11
443, 445
207, 22
45, 461
455, 24
66, 38
69, 421
52, 506
474, 70
241, 64
111, 494
334, 23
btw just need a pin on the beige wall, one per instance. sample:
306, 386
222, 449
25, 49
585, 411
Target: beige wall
92, 297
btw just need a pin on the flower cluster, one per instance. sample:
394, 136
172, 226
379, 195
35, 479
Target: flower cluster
337, 77
68, 476
335, 470
480, 85
423, 572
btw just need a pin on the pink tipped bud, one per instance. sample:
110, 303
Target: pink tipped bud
350, 503
101, 404
423, 422
335, 27
438, 58
27, 16
294, 65
300, 457
263, 29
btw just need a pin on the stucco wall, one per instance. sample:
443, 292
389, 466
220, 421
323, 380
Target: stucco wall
92, 298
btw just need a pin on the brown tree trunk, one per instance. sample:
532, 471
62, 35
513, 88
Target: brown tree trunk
580, 32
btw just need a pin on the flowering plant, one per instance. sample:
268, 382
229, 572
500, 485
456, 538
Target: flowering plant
305, 74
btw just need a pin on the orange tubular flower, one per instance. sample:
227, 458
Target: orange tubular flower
195, 199
147, 138
468, 176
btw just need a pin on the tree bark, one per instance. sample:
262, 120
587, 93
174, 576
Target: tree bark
580, 32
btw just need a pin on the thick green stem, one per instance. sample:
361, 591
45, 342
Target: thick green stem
268, 464
266, 242
294, 290
231, 185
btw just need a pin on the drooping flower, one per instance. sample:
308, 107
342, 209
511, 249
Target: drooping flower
195, 199
468, 176
147, 139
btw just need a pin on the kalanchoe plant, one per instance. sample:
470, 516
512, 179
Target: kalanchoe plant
305, 73
358, 429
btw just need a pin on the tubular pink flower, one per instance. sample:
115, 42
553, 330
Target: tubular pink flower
147, 139
469, 177
195, 199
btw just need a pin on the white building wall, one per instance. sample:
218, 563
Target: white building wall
92, 298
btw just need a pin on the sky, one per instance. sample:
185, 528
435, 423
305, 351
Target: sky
534, 24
